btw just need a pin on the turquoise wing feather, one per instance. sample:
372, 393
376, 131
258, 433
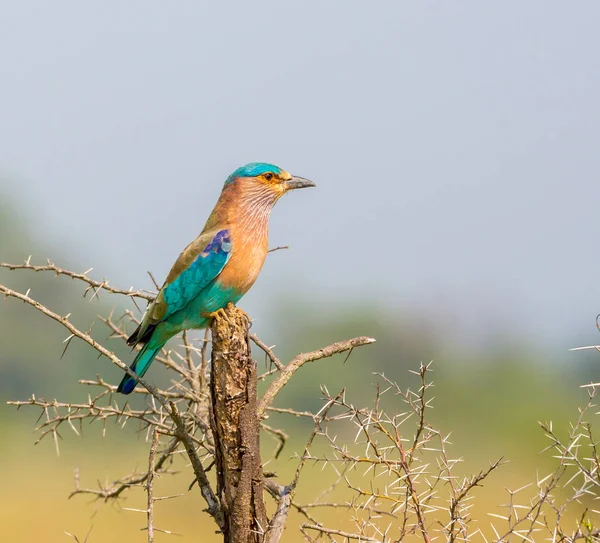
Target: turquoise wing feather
181, 290
199, 263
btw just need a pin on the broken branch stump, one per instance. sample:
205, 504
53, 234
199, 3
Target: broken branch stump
236, 429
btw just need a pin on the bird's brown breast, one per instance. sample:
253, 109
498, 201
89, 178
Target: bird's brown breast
249, 250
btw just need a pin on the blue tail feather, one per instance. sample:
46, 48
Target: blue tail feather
140, 365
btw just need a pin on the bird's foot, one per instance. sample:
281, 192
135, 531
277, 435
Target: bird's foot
218, 313
223, 314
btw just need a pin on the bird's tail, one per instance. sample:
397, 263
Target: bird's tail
140, 365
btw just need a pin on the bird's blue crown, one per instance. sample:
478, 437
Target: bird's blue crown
253, 169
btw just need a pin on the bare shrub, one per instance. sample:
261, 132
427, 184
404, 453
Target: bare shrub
395, 477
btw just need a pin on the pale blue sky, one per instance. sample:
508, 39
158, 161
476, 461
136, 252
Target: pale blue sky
454, 144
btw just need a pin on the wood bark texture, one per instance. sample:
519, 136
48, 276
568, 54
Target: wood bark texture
236, 429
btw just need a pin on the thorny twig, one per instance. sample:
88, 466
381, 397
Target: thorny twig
93, 285
286, 373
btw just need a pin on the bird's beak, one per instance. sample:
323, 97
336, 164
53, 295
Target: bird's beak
298, 183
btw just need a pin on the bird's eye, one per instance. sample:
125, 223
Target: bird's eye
268, 176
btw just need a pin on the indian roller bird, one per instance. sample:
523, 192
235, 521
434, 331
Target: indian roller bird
219, 266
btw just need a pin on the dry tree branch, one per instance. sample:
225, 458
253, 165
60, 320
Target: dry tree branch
280, 248
94, 285
345, 535
214, 508
150, 485
57, 414
291, 368
285, 495
268, 352
114, 491
293, 412
77, 540
7, 292
279, 434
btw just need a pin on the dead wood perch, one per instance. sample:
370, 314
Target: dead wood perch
236, 430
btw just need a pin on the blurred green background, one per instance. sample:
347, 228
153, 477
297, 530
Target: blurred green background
455, 151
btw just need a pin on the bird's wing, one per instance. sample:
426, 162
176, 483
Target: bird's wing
199, 263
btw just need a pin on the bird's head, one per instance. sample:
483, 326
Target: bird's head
267, 180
